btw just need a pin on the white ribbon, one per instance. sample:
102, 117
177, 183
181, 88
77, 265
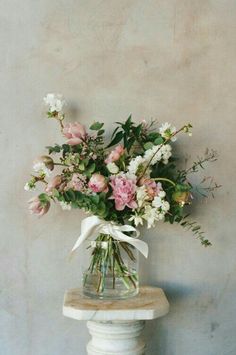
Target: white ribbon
92, 226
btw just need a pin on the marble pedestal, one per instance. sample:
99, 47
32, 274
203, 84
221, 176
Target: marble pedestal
116, 325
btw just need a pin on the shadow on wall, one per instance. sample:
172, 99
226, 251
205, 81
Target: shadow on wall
156, 331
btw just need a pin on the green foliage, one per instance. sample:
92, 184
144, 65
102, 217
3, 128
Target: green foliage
54, 149
196, 230
96, 126
84, 159
96, 203
117, 138
64, 148
148, 145
129, 133
158, 141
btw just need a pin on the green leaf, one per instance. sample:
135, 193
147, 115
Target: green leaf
101, 131
70, 195
66, 148
158, 141
127, 125
78, 195
91, 168
152, 136
74, 204
44, 198
115, 130
82, 166
95, 199
56, 149
137, 130
102, 209
96, 126
130, 142
118, 137
148, 145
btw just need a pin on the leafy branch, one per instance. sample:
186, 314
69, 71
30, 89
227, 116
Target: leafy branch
129, 133
196, 230
206, 191
210, 156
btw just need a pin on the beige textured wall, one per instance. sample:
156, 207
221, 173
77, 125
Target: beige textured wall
172, 60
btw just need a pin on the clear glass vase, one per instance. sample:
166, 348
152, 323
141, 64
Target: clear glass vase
110, 269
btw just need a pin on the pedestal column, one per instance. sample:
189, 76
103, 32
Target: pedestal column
116, 337
116, 325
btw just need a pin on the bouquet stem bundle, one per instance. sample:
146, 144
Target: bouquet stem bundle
109, 265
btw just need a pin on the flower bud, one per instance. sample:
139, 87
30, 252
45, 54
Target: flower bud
37, 207
181, 197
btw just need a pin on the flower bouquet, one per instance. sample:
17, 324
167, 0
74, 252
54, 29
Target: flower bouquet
131, 180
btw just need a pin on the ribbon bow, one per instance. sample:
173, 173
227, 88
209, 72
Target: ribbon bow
92, 226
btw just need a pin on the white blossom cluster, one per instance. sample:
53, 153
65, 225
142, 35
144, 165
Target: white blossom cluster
134, 165
167, 131
150, 211
152, 155
157, 153
55, 102
40, 167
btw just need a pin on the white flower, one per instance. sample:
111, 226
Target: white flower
165, 206
161, 204
40, 167
150, 216
55, 102
157, 202
141, 195
65, 206
161, 216
28, 187
135, 164
166, 152
153, 155
167, 130
161, 193
157, 153
113, 168
137, 220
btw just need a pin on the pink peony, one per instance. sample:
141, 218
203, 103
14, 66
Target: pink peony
54, 183
37, 207
97, 183
115, 154
74, 132
123, 192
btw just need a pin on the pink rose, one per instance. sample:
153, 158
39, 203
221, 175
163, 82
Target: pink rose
97, 183
74, 132
115, 154
37, 207
123, 192
151, 186
54, 183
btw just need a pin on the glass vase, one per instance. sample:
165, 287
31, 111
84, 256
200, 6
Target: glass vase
110, 269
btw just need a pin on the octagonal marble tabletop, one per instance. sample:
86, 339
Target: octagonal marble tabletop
150, 303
